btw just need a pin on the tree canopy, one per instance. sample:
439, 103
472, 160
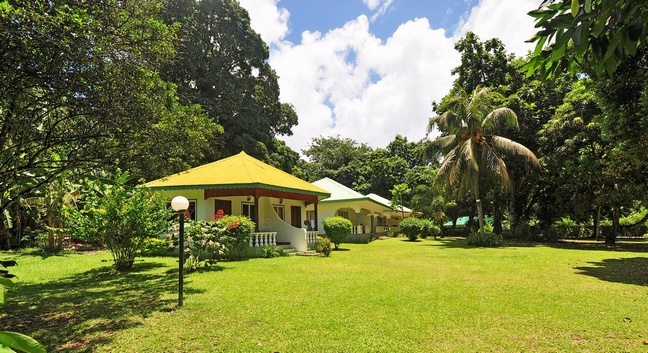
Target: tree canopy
80, 88
576, 35
222, 65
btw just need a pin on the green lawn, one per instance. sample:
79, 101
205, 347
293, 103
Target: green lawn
387, 296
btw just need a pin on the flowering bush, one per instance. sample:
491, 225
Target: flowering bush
202, 244
323, 246
212, 240
236, 237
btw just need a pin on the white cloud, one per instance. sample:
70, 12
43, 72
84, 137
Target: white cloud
267, 19
503, 19
349, 82
381, 11
372, 4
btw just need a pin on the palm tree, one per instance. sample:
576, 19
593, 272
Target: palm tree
469, 124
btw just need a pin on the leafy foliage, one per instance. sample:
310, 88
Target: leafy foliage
398, 194
323, 246
121, 218
412, 228
485, 239
80, 89
228, 76
482, 63
577, 34
236, 237
11, 341
202, 244
469, 123
337, 229
271, 251
429, 229
155, 247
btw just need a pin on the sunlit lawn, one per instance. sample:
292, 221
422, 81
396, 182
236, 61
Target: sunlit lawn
387, 296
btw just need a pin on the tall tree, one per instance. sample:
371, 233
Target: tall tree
482, 63
79, 87
338, 158
222, 65
469, 124
572, 152
624, 126
578, 33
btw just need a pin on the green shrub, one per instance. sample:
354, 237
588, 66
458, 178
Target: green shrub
489, 239
236, 235
337, 229
359, 238
323, 246
120, 218
568, 228
412, 228
202, 245
155, 247
271, 251
224, 238
429, 229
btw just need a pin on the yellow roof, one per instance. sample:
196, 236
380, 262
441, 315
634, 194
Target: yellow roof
239, 171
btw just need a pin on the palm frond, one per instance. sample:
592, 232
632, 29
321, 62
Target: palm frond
449, 122
513, 148
496, 164
500, 117
469, 154
445, 170
444, 142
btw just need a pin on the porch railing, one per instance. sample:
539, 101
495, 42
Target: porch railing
311, 236
263, 239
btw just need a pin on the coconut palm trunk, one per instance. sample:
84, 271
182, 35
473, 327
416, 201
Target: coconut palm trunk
480, 211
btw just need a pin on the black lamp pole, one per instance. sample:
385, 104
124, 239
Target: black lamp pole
181, 255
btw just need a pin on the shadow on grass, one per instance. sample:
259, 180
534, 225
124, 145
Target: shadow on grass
621, 245
450, 243
341, 249
80, 312
628, 270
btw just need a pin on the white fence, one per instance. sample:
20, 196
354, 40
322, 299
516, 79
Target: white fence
311, 236
263, 239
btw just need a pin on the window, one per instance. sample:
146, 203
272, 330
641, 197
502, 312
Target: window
248, 210
279, 210
344, 214
310, 217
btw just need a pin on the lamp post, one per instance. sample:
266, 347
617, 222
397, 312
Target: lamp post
180, 204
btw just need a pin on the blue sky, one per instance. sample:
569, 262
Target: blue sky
323, 15
370, 69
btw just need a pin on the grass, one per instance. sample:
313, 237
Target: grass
386, 296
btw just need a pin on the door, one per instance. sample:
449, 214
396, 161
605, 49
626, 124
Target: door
295, 216
224, 205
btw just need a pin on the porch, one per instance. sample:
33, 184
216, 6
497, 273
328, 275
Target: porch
260, 240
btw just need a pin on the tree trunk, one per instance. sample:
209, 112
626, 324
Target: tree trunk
480, 212
610, 239
512, 216
597, 223
497, 217
52, 242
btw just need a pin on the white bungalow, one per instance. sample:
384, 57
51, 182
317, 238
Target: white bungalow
241, 185
369, 214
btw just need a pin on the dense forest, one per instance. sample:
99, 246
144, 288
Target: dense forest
155, 87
